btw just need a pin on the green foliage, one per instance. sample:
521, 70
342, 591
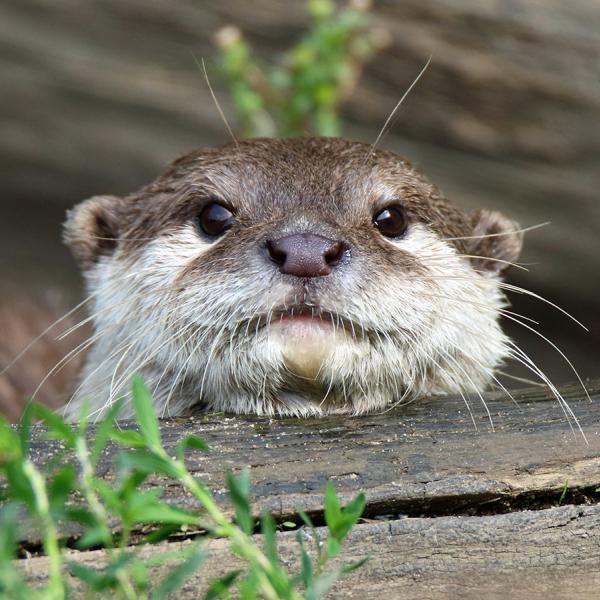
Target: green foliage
303, 91
564, 492
60, 492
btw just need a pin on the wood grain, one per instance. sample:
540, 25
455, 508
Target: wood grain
537, 555
426, 458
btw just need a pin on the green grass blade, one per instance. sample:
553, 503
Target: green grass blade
176, 578
145, 413
239, 492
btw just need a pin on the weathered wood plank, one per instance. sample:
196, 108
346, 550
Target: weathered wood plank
426, 458
547, 554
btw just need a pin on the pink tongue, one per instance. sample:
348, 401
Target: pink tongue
306, 343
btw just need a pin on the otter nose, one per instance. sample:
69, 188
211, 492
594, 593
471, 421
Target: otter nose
305, 254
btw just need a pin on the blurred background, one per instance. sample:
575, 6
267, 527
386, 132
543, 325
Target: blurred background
98, 96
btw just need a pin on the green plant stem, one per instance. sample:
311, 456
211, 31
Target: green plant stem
50, 542
97, 508
247, 548
87, 476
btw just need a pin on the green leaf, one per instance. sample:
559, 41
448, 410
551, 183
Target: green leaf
324, 583
147, 462
176, 578
100, 580
139, 574
165, 514
60, 488
12, 584
145, 413
83, 417
220, 587
339, 521
161, 534
128, 438
78, 514
131, 483
563, 495
332, 506
10, 444
269, 537
306, 519
239, 492
355, 565
109, 495
25, 427
9, 519
146, 507
190, 441
58, 428
333, 547
306, 567
249, 587
93, 537
95, 579
317, 538
19, 484
104, 431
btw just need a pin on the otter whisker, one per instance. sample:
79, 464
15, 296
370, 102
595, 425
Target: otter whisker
111, 355
564, 356
46, 331
520, 290
494, 235
94, 316
526, 361
63, 362
388, 121
522, 379
214, 97
464, 372
74, 353
140, 362
480, 257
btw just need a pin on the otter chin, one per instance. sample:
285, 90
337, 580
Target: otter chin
307, 343
298, 276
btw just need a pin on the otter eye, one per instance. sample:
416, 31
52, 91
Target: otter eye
391, 221
215, 219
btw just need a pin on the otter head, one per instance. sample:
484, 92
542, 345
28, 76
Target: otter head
300, 276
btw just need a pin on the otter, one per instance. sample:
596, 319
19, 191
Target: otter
301, 276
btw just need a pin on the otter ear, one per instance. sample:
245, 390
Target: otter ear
495, 241
92, 228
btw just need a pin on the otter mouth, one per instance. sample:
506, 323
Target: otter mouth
315, 315
308, 338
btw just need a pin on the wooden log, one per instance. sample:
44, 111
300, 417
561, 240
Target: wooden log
432, 457
538, 555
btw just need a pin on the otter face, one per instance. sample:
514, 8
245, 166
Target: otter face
298, 276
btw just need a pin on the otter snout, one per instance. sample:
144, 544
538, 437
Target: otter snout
306, 254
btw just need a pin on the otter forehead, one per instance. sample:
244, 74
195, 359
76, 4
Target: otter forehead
319, 180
